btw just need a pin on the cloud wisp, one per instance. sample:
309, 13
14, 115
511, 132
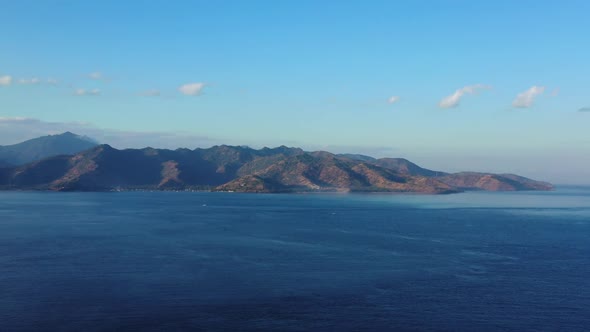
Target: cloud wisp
86, 92
392, 99
526, 99
584, 109
97, 76
8, 80
150, 93
5, 80
17, 129
33, 80
454, 99
191, 89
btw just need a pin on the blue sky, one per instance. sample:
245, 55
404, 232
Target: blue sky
454, 85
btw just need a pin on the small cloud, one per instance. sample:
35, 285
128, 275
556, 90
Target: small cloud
96, 76
584, 109
555, 92
393, 99
11, 119
527, 98
191, 89
150, 93
5, 80
85, 92
33, 80
454, 99
36, 80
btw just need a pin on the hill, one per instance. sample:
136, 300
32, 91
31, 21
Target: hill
243, 169
43, 147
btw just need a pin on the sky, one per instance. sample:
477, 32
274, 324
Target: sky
495, 86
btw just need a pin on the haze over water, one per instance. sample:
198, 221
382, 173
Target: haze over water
214, 261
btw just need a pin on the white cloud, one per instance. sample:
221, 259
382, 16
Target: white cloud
191, 89
150, 93
95, 76
85, 92
393, 99
454, 99
5, 80
34, 80
5, 119
527, 98
37, 80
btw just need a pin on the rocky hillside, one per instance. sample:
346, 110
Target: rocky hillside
243, 169
323, 171
492, 182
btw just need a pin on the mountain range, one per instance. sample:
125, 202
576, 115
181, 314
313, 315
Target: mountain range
69, 162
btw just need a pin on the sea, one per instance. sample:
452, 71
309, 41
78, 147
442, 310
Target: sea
186, 261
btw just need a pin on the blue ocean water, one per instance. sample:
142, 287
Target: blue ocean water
165, 261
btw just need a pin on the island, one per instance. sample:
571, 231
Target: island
238, 169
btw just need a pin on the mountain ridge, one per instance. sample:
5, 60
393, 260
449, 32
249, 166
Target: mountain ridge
244, 169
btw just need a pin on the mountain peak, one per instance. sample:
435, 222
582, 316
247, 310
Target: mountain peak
39, 148
71, 135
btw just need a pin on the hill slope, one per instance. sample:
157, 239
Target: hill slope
492, 182
43, 147
236, 168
